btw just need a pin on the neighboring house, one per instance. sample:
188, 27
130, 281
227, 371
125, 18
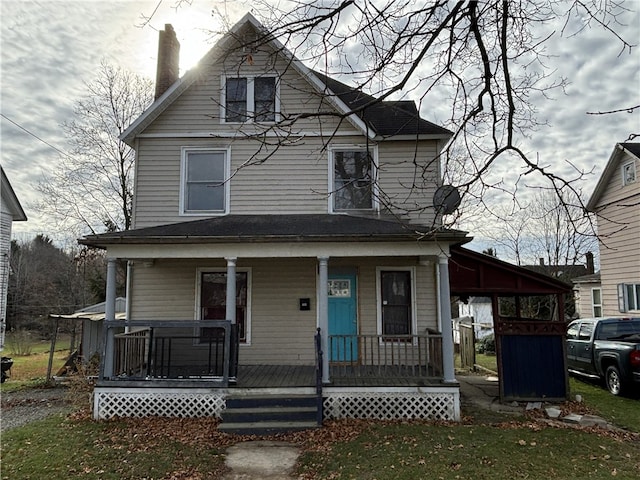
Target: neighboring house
480, 309
10, 211
587, 294
616, 203
247, 221
568, 274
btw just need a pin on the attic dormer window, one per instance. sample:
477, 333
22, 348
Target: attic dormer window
628, 173
250, 99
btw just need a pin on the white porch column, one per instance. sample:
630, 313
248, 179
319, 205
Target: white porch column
109, 315
445, 320
231, 289
323, 314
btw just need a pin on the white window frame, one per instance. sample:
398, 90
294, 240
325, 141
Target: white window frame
198, 310
630, 165
595, 305
373, 149
250, 98
414, 303
183, 181
623, 297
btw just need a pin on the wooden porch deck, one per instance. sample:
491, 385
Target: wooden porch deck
287, 376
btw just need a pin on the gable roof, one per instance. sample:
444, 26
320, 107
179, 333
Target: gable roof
272, 228
382, 119
10, 199
609, 169
386, 118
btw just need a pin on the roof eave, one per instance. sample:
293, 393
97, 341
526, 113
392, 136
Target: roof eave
418, 136
17, 212
603, 181
103, 241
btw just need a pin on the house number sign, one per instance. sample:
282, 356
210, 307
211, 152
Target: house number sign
340, 288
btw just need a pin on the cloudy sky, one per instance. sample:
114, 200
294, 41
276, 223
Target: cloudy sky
49, 48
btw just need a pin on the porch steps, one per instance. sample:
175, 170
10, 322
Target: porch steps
267, 415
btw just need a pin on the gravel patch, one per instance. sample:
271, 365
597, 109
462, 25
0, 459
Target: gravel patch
24, 406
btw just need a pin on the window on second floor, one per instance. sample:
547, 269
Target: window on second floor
628, 173
205, 185
250, 99
353, 179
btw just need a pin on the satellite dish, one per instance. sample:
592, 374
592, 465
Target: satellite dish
446, 199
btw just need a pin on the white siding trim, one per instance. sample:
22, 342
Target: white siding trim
247, 134
197, 310
414, 303
279, 250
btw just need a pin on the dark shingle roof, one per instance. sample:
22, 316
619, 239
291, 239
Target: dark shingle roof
386, 118
233, 228
633, 148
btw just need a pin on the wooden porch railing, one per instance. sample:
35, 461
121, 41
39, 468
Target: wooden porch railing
131, 351
405, 356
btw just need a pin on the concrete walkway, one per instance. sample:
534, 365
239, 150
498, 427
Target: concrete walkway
261, 460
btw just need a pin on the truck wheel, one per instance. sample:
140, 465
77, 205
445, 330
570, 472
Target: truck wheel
613, 380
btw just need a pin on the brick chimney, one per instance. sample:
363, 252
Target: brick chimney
590, 266
168, 60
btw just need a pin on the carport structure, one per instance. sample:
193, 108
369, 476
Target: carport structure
530, 346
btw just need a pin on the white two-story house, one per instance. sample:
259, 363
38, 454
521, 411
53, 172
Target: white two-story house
284, 242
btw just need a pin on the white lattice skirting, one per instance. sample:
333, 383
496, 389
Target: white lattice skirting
163, 403
438, 404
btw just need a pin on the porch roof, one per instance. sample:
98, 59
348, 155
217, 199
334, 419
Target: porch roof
473, 273
277, 228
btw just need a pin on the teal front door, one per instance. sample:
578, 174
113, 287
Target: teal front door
343, 323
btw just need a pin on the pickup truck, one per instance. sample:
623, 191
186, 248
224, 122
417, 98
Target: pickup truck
605, 348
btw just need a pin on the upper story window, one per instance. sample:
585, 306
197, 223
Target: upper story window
353, 179
250, 99
205, 185
629, 173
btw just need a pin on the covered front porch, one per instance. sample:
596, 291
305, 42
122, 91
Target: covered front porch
393, 376
280, 301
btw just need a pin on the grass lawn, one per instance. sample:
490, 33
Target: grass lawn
31, 370
77, 447
179, 449
414, 451
68, 448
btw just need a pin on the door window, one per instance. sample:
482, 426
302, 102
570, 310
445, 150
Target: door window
396, 301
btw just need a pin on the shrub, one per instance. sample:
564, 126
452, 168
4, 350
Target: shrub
20, 342
486, 345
